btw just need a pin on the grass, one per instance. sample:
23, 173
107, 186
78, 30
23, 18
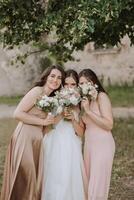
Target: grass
10, 100
6, 128
119, 95
122, 182
122, 96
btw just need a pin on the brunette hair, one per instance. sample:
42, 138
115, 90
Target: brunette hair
46, 73
72, 73
91, 76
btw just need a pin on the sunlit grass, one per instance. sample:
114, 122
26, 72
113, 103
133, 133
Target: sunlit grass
10, 100
122, 96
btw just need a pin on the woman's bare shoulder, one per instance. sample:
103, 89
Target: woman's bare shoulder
102, 96
103, 99
37, 90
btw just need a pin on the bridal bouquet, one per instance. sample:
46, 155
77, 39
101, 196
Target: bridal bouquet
68, 97
49, 105
88, 90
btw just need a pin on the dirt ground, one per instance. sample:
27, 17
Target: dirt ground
118, 112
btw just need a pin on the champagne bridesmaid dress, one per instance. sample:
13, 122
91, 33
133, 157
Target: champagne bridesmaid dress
23, 167
99, 151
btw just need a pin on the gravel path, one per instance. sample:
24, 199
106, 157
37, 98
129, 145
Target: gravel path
6, 111
119, 112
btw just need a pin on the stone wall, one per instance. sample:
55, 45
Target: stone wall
114, 66
18, 78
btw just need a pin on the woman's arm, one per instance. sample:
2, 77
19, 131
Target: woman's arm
78, 127
28, 101
105, 121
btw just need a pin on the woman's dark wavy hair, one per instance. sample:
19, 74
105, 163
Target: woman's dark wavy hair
91, 76
72, 73
45, 75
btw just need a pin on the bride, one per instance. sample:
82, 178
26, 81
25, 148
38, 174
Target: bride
64, 176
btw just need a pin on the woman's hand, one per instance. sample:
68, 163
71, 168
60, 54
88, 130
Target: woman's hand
58, 118
105, 118
49, 122
85, 103
68, 114
50, 119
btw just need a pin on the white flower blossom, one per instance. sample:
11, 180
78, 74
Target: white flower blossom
89, 89
68, 97
59, 110
74, 100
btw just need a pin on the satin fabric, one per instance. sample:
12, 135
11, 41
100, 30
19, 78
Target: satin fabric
24, 162
99, 152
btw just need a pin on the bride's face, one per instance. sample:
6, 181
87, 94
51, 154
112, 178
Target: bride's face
83, 80
54, 79
70, 82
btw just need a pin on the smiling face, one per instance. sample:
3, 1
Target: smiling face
70, 82
54, 79
83, 80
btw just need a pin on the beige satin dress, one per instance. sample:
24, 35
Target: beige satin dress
24, 162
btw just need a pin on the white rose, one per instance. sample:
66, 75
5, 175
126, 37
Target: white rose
74, 100
41, 103
64, 92
59, 110
46, 103
45, 97
55, 101
61, 101
85, 90
93, 94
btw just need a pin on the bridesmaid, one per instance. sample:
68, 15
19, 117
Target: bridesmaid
24, 164
99, 145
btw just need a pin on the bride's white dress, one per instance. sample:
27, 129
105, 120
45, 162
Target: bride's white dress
64, 175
